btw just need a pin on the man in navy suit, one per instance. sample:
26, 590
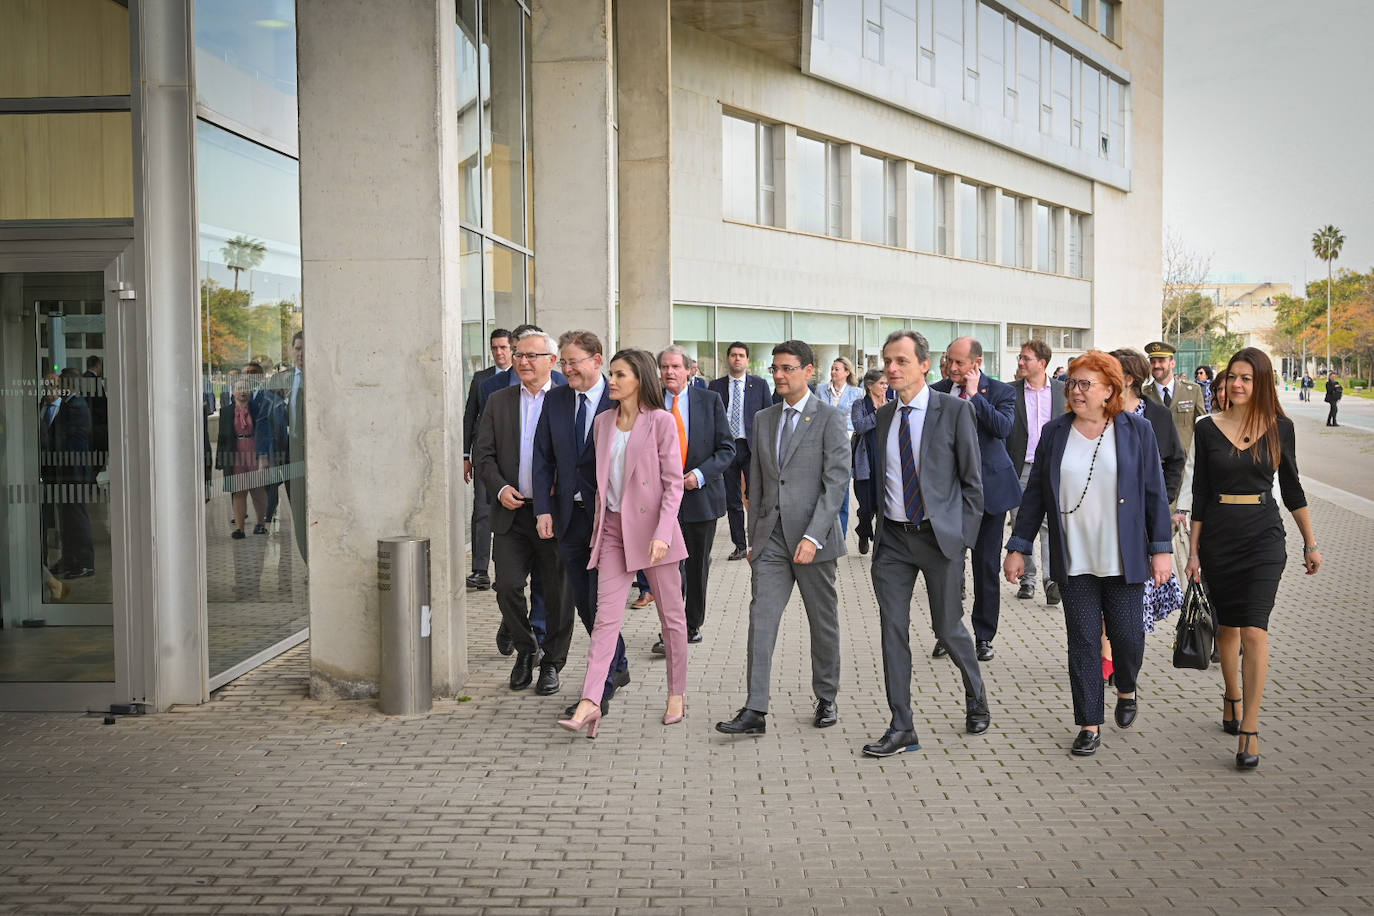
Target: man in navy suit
700, 417
507, 378
994, 409
695, 370
500, 341
743, 396
565, 478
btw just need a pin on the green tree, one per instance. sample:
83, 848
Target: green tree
242, 253
1191, 314
1293, 320
1326, 245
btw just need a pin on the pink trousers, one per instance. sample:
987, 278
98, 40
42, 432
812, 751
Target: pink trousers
613, 588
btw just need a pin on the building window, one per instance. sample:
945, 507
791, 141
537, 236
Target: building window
872, 199
246, 67
1080, 9
834, 191
969, 220
949, 45
747, 170
928, 212
1044, 244
1108, 12
811, 185
873, 30
1013, 232
891, 233
1075, 244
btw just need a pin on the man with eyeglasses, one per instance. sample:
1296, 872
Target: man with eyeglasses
994, 410
798, 475
565, 480
504, 456
500, 343
1039, 399
508, 378
744, 395
707, 449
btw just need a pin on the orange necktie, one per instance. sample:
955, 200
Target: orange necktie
681, 430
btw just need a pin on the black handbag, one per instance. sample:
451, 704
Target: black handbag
1196, 631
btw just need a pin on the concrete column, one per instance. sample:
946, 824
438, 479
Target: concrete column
784, 176
644, 85
574, 166
383, 343
851, 195
953, 221
1032, 235
1059, 225
992, 199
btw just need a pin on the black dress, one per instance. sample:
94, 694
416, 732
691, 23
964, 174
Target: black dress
1242, 567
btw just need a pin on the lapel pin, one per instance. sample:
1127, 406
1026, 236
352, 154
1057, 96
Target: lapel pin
807, 419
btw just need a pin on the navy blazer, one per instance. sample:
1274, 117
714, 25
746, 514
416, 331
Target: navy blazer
558, 471
506, 378
710, 449
994, 409
756, 397
472, 408
1142, 507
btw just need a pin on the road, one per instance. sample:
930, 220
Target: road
1340, 457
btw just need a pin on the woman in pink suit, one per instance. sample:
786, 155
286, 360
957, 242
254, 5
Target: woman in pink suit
638, 489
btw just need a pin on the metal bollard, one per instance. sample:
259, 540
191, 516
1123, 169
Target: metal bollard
403, 593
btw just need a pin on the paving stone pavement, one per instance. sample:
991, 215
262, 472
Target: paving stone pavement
264, 801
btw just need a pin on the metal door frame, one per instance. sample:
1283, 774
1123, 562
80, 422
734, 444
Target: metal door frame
106, 246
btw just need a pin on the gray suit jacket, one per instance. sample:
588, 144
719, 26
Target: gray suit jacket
806, 490
1020, 434
950, 468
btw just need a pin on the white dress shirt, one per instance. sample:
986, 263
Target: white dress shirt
894, 502
615, 476
799, 408
531, 408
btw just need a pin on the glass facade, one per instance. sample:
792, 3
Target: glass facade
252, 363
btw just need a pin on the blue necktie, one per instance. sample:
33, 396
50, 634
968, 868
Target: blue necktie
581, 422
911, 481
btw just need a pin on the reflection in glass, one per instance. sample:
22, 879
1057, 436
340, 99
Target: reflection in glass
506, 285
246, 64
469, 120
810, 186
253, 396
56, 585
475, 354
503, 137
739, 164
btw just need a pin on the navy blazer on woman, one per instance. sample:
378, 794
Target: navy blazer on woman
558, 471
1142, 509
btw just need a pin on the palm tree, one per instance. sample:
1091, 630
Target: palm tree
1326, 245
242, 253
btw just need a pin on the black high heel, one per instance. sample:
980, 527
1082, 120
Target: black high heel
1246, 761
1231, 726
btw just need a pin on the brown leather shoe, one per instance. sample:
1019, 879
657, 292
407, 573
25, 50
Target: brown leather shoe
643, 600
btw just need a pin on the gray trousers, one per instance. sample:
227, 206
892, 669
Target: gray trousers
481, 526
1029, 575
900, 555
773, 576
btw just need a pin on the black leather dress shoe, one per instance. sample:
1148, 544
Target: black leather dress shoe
479, 582
658, 647
619, 678
548, 680
504, 644
1125, 712
985, 652
863, 544
827, 714
1051, 594
977, 720
894, 742
1026, 590
739, 553
694, 636
571, 711
939, 651
523, 672
745, 722
1086, 744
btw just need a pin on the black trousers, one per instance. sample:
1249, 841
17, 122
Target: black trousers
696, 569
867, 495
987, 563
575, 549
1331, 415
515, 554
736, 489
1089, 602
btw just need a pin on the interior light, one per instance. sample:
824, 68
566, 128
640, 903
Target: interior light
272, 23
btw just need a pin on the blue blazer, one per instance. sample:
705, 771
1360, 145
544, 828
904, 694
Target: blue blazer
710, 449
756, 397
994, 410
558, 471
507, 378
1142, 506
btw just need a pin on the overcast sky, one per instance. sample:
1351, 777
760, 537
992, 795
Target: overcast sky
1269, 132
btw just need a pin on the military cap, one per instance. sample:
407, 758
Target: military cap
1160, 348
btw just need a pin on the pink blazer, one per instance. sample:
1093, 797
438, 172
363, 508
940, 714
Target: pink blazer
652, 492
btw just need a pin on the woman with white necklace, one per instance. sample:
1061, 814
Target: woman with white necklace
1097, 475
841, 393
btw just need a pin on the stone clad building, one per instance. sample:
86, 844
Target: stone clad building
185, 184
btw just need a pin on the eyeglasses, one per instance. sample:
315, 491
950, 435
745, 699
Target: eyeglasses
1082, 384
788, 369
528, 356
566, 363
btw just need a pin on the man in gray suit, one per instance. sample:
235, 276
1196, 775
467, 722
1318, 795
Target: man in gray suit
929, 509
798, 475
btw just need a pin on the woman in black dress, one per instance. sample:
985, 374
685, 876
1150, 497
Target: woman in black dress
1237, 452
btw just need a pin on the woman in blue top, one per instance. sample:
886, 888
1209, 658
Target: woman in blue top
863, 420
841, 393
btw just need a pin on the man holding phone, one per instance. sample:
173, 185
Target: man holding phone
503, 457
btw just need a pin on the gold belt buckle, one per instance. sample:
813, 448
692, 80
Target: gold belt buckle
1241, 499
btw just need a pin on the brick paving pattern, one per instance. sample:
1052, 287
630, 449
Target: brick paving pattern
264, 801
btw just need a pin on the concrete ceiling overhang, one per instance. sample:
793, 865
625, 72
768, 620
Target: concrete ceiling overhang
771, 27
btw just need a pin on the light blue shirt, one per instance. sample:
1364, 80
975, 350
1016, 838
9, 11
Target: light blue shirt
844, 402
894, 501
685, 410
